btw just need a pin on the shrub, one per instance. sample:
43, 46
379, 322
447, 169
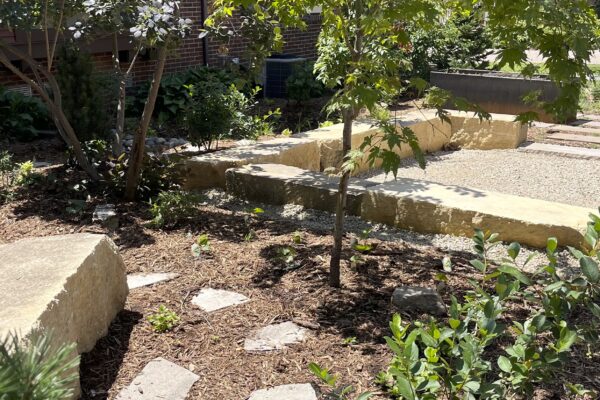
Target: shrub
455, 357
202, 245
13, 175
216, 112
172, 207
461, 42
163, 320
89, 99
21, 117
302, 83
36, 370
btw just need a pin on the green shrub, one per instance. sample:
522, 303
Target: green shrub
21, 117
302, 83
163, 320
460, 42
455, 357
216, 112
88, 98
36, 370
171, 207
13, 175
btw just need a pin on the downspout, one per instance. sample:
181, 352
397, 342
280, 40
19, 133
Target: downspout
203, 16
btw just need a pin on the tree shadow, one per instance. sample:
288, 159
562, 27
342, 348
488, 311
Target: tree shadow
99, 367
279, 264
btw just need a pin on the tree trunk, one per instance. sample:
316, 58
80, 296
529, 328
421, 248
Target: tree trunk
340, 211
117, 147
136, 157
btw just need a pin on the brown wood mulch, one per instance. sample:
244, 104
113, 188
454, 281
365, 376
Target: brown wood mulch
211, 345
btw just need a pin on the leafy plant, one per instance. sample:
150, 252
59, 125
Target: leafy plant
338, 392
297, 237
202, 245
451, 357
171, 207
21, 117
362, 245
287, 255
302, 84
163, 320
36, 369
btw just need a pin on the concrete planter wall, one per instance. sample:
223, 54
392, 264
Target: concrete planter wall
497, 92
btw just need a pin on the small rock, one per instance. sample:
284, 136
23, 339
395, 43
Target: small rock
160, 379
245, 142
41, 164
275, 337
211, 300
160, 140
106, 216
420, 299
135, 281
287, 392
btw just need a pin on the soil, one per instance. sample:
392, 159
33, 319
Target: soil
211, 345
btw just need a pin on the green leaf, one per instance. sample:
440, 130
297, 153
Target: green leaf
365, 396
516, 273
513, 250
589, 267
504, 364
478, 264
552, 244
405, 388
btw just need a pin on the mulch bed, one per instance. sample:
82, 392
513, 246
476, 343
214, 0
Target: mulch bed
211, 345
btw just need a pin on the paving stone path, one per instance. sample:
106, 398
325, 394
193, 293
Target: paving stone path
160, 379
135, 281
286, 392
275, 337
568, 137
566, 151
211, 300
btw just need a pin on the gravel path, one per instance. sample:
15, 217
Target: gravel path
559, 179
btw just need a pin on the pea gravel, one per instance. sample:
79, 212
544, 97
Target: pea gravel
540, 176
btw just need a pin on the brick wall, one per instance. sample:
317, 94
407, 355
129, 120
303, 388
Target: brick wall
190, 53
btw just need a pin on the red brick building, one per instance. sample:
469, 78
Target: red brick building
191, 53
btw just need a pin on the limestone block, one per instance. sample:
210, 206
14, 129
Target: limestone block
286, 392
330, 141
280, 184
433, 208
501, 132
208, 170
72, 286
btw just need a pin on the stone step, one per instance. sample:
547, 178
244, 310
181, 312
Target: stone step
433, 208
70, 285
135, 281
419, 205
160, 379
275, 337
563, 151
210, 299
579, 130
280, 184
574, 138
208, 170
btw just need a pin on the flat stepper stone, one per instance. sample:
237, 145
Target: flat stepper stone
160, 379
286, 392
280, 184
575, 138
275, 337
564, 151
419, 299
208, 170
135, 281
428, 207
211, 300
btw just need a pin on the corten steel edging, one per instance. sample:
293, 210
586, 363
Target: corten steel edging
497, 92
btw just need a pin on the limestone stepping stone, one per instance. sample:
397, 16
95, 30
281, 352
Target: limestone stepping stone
275, 337
565, 151
211, 300
420, 299
160, 379
574, 129
135, 281
574, 138
286, 392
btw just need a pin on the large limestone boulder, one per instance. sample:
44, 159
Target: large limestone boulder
281, 184
72, 286
429, 207
500, 132
208, 170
